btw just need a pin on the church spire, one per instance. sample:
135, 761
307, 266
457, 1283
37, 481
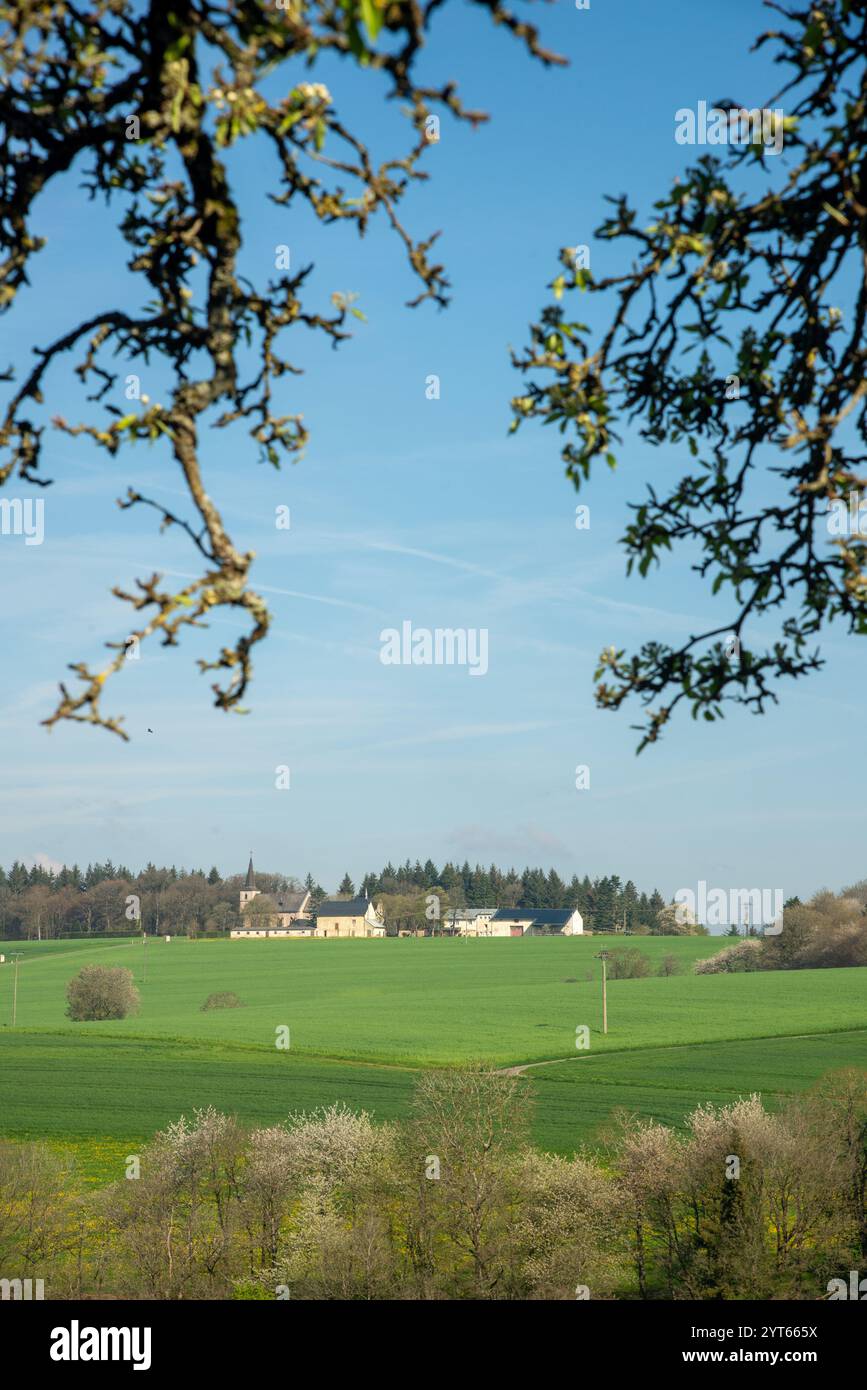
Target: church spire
251, 877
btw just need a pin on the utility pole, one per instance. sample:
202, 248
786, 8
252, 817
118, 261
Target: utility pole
603, 956
144, 957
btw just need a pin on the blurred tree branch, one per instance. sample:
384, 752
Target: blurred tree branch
732, 287
149, 98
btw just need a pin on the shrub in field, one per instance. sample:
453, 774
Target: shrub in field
835, 947
746, 955
225, 1000
670, 966
100, 991
627, 963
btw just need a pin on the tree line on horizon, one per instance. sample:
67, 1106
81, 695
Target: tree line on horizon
43, 902
40, 902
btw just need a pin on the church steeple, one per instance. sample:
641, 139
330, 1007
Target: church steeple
251, 877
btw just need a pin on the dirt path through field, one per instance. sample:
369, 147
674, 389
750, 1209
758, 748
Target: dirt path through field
663, 1047
525, 1066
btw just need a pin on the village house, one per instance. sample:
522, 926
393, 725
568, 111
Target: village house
468, 921
533, 921
513, 921
343, 917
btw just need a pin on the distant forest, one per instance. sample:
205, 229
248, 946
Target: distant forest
39, 902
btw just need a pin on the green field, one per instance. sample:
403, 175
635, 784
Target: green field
364, 1016
32, 950
575, 1101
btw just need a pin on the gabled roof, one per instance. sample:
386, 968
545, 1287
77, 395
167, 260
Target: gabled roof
343, 907
280, 902
539, 916
293, 902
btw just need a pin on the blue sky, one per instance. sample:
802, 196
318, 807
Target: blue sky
407, 508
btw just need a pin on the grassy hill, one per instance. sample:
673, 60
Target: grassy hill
365, 1015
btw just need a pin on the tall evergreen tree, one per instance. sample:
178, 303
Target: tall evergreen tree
656, 904
466, 874
555, 890
604, 905
533, 886
450, 879
479, 892
630, 905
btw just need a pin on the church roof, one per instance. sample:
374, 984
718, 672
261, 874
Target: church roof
293, 902
281, 902
251, 877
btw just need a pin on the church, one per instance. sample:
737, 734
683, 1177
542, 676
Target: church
292, 914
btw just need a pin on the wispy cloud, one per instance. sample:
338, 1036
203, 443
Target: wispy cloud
434, 558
